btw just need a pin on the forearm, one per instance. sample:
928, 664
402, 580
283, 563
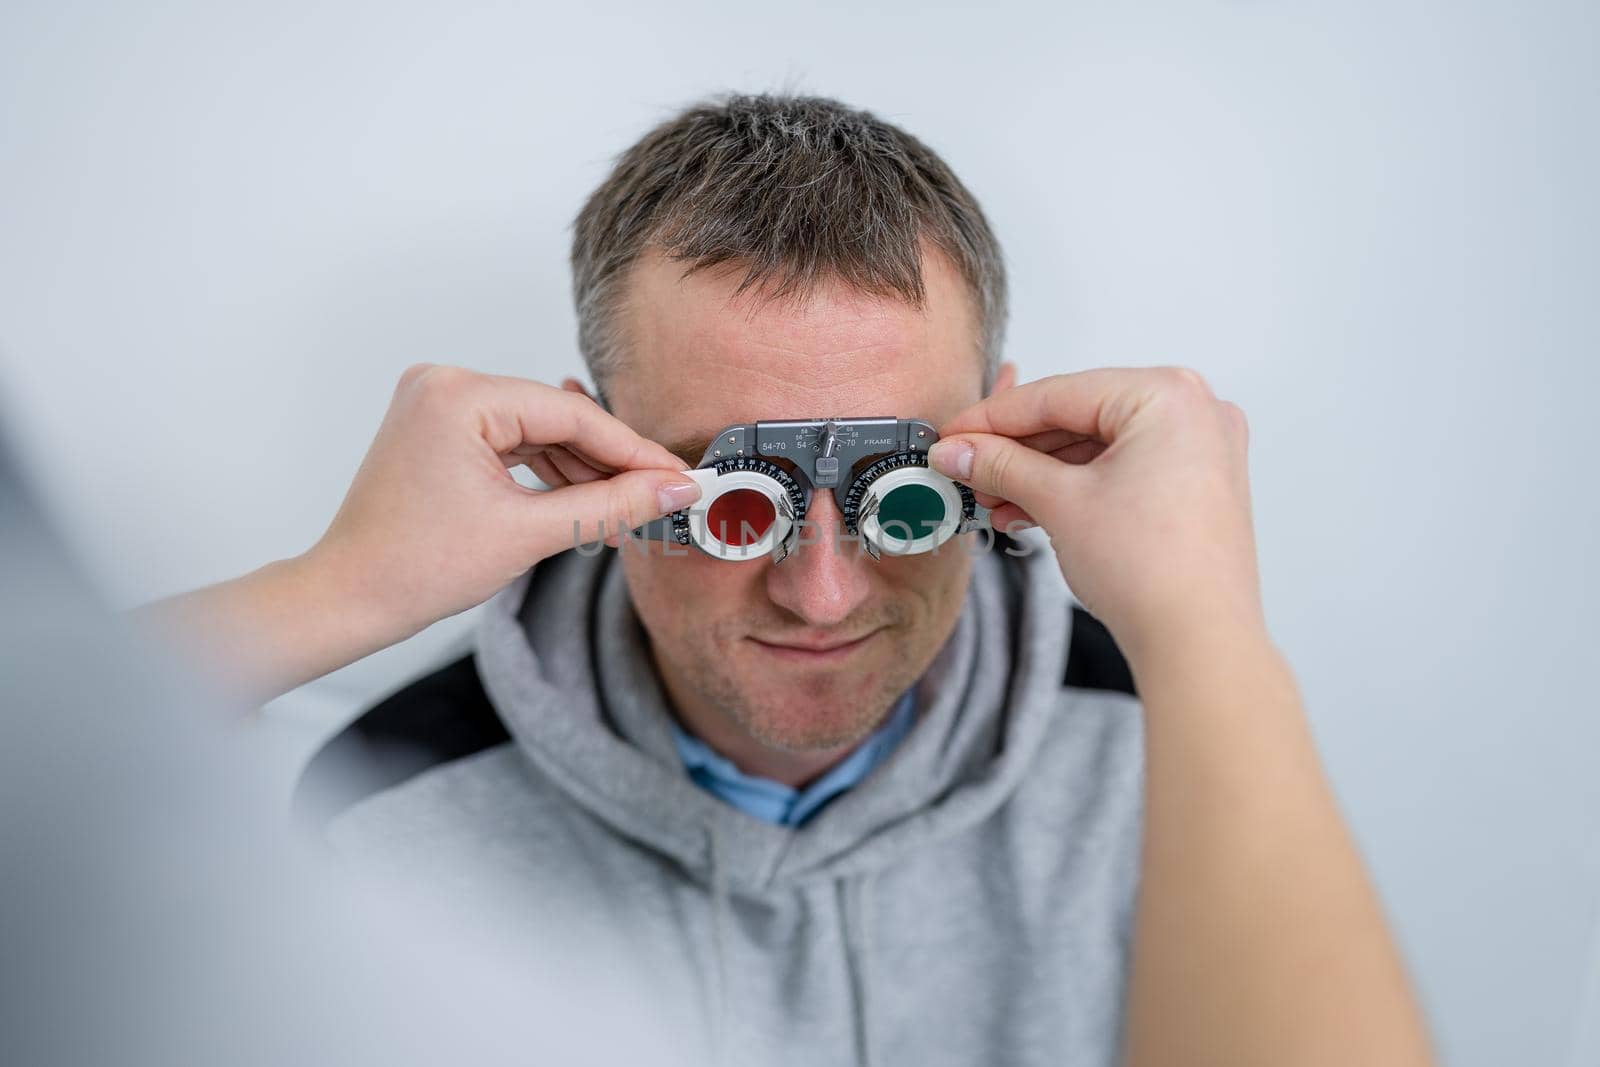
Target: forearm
276, 628
1259, 939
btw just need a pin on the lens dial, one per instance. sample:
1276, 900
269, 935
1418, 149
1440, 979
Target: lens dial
900, 506
750, 510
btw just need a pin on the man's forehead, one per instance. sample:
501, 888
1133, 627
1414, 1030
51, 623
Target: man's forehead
701, 357
808, 340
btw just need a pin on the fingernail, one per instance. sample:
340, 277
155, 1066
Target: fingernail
953, 459
675, 496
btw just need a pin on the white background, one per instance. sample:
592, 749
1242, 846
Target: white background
226, 228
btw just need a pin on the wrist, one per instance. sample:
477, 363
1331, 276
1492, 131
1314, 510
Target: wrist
1209, 650
344, 585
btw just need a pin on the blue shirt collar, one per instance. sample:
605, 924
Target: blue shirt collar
784, 805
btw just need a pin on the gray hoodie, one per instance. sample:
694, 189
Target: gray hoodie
969, 902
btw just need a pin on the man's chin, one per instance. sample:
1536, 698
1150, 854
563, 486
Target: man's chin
798, 736
814, 719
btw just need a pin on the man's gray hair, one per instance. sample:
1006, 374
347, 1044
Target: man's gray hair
796, 190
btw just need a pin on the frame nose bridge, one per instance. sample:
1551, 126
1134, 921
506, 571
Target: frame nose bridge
811, 493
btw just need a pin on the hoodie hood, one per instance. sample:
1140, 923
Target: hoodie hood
970, 900
581, 699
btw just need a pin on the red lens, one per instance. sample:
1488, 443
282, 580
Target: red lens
740, 517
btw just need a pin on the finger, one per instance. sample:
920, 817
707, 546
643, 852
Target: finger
579, 453
522, 453
583, 514
1080, 452
545, 471
988, 501
518, 411
1006, 469
573, 469
1065, 445
1093, 403
1053, 440
1008, 518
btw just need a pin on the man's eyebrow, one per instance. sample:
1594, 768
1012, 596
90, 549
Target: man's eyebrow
689, 449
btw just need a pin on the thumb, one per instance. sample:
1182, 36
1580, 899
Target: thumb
592, 511
999, 466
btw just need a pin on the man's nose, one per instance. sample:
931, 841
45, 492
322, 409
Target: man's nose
824, 579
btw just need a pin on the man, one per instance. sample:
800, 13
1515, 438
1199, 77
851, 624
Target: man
844, 809
967, 888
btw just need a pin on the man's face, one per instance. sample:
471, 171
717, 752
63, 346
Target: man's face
807, 654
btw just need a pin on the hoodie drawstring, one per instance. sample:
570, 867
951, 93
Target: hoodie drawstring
854, 906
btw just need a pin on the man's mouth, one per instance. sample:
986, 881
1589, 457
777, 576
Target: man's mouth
813, 648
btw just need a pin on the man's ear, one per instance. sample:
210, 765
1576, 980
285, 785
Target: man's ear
1004, 378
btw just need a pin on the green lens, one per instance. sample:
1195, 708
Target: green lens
911, 511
